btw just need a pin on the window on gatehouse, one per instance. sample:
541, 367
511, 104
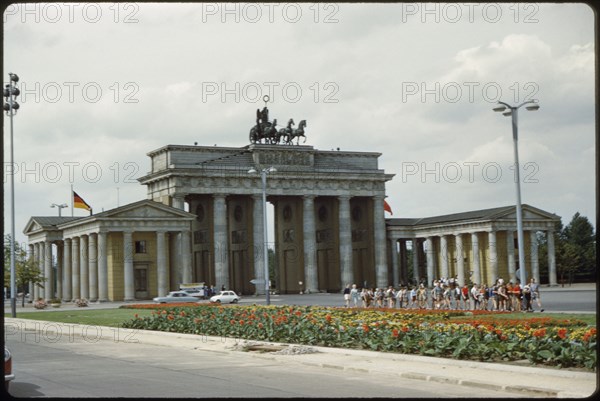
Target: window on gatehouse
140, 247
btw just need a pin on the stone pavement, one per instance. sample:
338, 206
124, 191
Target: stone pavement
518, 380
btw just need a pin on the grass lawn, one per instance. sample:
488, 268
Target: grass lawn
99, 317
115, 317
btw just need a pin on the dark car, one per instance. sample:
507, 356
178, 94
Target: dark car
8, 374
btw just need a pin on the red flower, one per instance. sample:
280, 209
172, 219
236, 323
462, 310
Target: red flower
395, 333
405, 329
365, 328
539, 333
562, 333
170, 317
328, 318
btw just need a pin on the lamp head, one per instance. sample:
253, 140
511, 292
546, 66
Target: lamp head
499, 108
508, 113
533, 107
252, 171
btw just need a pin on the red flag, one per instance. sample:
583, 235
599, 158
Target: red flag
387, 207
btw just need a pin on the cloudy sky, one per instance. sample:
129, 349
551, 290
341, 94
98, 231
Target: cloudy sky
103, 84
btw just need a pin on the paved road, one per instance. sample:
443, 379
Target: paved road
70, 366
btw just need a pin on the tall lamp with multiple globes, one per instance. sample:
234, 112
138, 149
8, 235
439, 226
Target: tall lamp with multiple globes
530, 105
10, 107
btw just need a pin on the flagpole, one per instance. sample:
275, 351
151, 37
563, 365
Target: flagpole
72, 200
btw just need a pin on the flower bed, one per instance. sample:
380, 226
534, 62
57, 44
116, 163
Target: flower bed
449, 334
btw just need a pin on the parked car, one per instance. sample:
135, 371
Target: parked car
8, 374
226, 297
175, 296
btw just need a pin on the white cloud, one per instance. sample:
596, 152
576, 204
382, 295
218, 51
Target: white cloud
156, 73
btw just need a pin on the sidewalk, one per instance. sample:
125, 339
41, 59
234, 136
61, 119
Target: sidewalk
322, 299
518, 380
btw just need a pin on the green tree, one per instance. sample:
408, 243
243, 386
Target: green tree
579, 256
26, 269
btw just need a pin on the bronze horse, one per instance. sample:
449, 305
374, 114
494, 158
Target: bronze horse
297, 133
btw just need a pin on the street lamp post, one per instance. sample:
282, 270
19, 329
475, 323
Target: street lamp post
263, 176
11, 106
513, 112
60, 207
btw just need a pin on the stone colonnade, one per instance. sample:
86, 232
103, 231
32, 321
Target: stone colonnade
309, 244
474, 272
82, 266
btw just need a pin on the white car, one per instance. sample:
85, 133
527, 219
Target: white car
226, 297
176, 296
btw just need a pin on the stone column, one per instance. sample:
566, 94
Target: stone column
395, 267
403, 263
493, 255
93, 267
67, 260
444, 256
221, 241
460, 259
102, 267
311, 283
75, 294
345, 228
59, 269
41, 268
510, 250
551, 258
32, 258
186, 256
162, 274
259, 244
49, 282
416, 272
128, 279
36, 257
84, 267
429, 254
535, 263
178, 202
381, 271
476, 265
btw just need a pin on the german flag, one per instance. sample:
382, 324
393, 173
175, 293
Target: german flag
387, 207
78, 202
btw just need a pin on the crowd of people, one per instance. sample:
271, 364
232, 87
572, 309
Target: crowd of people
447, 293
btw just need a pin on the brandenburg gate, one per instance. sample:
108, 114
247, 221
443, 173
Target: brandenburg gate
328, 208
